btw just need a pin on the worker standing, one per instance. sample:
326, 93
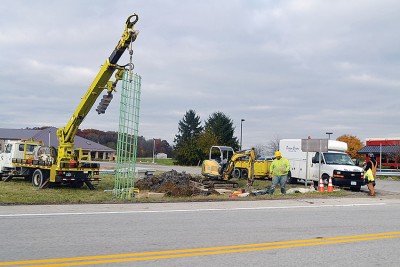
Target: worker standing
373, 162
370, 174
279, 170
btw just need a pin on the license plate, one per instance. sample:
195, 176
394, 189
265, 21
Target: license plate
353, 183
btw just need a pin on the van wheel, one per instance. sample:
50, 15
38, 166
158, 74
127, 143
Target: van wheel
37, 178
325, 179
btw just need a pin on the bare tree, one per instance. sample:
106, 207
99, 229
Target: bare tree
260, 150
273, 145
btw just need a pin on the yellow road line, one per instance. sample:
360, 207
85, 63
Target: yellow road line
195, 252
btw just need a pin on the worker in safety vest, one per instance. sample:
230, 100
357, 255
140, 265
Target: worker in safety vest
373, 163
279, 170
370, 174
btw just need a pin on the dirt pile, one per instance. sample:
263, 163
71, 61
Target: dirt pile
171, 183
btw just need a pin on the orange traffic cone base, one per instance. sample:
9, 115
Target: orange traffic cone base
321, 187
330, 185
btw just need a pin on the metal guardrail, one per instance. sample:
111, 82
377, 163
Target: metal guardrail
387, 172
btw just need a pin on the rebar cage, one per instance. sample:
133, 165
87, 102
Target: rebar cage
125, 173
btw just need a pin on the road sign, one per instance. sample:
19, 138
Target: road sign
314, 145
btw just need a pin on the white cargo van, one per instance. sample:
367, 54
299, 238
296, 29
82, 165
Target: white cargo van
335, 163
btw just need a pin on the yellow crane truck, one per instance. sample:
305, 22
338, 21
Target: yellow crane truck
68, 165
224, 163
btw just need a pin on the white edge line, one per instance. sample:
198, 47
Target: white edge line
186, 210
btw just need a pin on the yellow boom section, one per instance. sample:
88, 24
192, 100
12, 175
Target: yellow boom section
102, 81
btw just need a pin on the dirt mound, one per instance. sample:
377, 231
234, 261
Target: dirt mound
171, 183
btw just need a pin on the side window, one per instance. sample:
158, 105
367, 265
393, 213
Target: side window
21, 147
316, 158
8, 148
30, 148
216, 154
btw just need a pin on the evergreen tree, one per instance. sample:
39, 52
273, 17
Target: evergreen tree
188, 128
221, 126
187, 151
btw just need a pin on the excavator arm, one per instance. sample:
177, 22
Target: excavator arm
231, 164
66, 135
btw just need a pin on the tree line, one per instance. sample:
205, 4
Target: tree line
145, 146
193, 140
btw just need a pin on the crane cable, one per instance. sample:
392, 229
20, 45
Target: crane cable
131, 66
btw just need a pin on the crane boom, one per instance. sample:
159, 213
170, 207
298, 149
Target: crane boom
66, 135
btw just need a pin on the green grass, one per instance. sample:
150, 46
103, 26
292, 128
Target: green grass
18, 191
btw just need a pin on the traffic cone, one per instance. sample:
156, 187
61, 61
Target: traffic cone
330, 185
321, 187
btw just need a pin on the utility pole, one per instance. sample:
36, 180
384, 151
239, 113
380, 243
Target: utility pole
154, 149
241, 132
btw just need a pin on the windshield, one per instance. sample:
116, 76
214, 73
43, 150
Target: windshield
338, 159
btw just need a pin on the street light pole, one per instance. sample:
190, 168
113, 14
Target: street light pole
154, 149
241, 132
329, 135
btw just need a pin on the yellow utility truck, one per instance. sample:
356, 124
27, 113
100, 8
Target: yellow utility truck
261, 169
67, 164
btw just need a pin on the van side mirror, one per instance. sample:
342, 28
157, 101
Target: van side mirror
314, 160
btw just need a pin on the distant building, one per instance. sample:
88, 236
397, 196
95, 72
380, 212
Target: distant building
386, 150
49, 138
161, 156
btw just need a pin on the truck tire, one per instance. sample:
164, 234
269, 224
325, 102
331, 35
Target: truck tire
38, 178
244, 174
236, 173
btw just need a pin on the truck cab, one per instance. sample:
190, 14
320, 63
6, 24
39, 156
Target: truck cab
20, 150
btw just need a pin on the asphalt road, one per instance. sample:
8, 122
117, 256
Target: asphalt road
313, 232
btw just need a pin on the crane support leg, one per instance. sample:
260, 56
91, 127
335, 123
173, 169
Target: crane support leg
90, 185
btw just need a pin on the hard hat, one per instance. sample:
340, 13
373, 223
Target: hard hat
278, 154
371, 155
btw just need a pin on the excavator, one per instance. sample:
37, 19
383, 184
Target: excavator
70, 166
221, 165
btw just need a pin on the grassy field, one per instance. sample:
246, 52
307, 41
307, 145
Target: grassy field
18, 191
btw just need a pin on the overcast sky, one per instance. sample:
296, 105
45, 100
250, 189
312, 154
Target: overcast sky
291, 69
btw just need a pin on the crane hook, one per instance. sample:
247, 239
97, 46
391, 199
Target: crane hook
130, 23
